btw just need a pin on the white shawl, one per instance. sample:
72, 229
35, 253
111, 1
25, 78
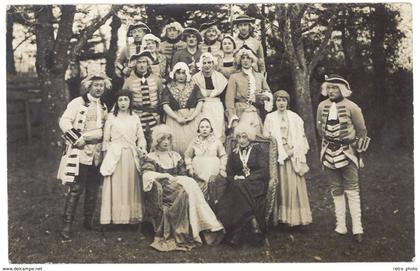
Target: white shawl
218, 79
296, 137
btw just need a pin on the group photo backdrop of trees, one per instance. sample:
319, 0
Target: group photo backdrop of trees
51, 48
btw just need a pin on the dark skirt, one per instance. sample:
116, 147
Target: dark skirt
235, 205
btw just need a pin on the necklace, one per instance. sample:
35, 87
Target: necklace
244, 156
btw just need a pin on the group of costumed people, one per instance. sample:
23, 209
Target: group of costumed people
159, 152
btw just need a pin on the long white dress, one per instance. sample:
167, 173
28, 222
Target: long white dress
122, 197
213, 108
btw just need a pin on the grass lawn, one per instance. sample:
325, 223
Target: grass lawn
36, 199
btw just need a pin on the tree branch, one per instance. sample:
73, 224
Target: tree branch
319, 53
88, 32
25, 39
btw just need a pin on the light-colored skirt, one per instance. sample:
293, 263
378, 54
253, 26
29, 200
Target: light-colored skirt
213, 110
122, 198
292, 207
205, 167
184, 134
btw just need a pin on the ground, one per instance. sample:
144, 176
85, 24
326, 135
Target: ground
36, 200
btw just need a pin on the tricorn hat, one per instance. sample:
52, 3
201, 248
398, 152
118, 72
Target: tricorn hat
144, 53
138, 25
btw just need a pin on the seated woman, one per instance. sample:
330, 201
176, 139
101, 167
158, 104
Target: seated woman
241, 207
205, 156
185, 212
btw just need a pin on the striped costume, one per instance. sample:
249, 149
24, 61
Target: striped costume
146, 91
168, 49
340, 123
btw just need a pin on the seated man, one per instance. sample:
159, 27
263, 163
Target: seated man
240, 208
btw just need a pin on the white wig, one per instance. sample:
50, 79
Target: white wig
175, 25
244, 51
205, 55
336, 80
87, 82
180, 66
158, 132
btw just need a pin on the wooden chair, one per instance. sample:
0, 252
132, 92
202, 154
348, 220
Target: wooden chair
269, 146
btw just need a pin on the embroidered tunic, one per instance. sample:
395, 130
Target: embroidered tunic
339, 132
87, 117
169, 47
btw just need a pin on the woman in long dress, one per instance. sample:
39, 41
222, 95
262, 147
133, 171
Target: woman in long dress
185, 213
212, 85
205, 156
292, 206
182, 102
124, 143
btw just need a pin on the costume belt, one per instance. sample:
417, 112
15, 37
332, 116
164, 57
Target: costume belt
146, 109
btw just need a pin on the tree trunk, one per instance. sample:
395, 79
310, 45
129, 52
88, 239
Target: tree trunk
117, 82
10, 60
44, 62
301, 82
379, 67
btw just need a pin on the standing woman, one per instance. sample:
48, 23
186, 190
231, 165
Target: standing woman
287, 128
152, 43
226, 62
124, 142
182, 102
212, 85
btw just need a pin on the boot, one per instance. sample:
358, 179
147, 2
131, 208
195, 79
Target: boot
356, 214
340, 214
69, 210
89, 207
257, 235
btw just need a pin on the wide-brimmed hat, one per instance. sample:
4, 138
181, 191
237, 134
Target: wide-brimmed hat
190, 30
144, 53
97, 76
138, 25
338, 80
243, 19
204, 27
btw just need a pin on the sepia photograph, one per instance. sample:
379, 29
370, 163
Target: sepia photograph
220, 132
